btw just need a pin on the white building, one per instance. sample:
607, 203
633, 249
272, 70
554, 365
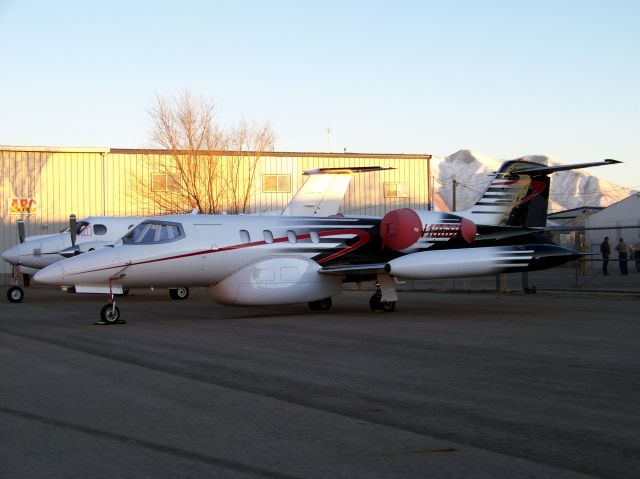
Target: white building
620, 220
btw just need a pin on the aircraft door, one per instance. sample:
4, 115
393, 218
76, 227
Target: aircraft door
209, 235
210, 240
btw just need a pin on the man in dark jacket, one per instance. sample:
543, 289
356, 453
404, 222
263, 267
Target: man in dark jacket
605, 250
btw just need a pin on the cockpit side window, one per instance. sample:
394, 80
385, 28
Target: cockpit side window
154, 232
84, 229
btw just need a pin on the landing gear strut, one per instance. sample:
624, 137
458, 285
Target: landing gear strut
376, 303
321, 305
110, 313
15, 293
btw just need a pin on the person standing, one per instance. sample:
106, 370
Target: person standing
605, 250
623, 255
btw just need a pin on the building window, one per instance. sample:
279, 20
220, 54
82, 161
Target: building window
165, 182
396, 190
276, 183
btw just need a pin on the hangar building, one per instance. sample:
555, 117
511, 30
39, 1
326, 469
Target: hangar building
620, 220
44, 185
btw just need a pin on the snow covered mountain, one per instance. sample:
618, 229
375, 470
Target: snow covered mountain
472, 171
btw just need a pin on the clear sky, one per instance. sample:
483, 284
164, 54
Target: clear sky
504, 78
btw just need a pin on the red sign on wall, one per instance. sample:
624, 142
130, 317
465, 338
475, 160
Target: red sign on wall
23, 206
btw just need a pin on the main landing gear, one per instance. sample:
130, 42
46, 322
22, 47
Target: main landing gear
321, 304
376, 303
179, 293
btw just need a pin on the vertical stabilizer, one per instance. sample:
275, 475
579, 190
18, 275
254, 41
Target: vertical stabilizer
322, 193
518, 194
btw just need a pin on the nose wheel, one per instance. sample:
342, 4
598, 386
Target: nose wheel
15, 294
110, 314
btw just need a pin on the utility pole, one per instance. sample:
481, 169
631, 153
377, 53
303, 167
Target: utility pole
329, 140
429, 192
455, 184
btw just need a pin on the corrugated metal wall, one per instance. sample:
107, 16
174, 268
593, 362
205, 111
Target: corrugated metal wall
95, 182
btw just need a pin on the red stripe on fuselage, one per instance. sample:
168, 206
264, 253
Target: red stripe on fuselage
364, 239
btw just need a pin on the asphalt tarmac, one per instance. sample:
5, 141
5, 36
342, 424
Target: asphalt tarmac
450, 385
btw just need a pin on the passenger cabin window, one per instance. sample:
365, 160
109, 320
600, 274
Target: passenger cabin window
99, 230
268, 236
314, 236
291, 235
153, 232
245, 237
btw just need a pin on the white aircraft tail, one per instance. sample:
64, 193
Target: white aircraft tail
323, 192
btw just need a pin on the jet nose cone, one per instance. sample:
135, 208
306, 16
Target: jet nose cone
53, 274
12, 255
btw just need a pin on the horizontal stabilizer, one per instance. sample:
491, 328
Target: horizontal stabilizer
545, 170
348, 170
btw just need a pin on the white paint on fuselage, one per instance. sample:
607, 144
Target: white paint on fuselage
211, 250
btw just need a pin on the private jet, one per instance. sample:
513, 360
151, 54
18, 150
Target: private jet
276, 260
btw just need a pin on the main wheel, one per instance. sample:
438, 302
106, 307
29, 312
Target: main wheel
376, 304
387, 306
110, 314
321, 305
15, 294
179, 293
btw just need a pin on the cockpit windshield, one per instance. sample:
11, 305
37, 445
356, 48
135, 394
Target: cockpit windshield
153, 232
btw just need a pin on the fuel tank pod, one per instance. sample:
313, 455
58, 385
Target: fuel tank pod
276, 281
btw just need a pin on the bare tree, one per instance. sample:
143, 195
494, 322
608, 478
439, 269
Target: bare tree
205, 167
245, 145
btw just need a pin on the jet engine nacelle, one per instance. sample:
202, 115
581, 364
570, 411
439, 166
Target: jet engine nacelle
403, 228
277, 280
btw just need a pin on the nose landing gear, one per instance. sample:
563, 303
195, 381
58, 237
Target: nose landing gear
15, 294
110, 314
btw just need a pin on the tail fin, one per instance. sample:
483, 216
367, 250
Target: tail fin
518, 194
323, 192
